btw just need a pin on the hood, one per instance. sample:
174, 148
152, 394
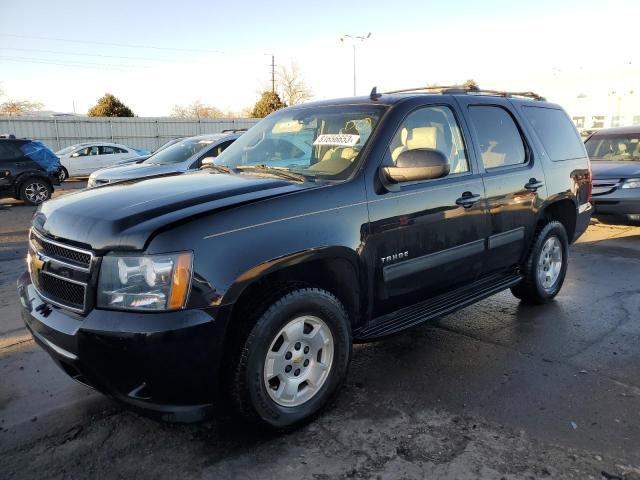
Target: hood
603, 169
135, 170
124, 215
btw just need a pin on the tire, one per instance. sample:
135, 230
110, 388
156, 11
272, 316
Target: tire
543, 273
63, 175
264, 402
34, 191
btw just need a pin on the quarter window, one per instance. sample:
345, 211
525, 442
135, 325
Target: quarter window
556, 132
435, 128
498, 137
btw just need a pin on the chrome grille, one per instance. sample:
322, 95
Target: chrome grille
58, 251
603, 186
62, 290
60, 272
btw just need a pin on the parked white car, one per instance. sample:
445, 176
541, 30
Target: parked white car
85, 158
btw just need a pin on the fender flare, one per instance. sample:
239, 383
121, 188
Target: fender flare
28, 174
274, 265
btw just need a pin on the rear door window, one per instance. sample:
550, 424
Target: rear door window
498, 136
556, 132
9, 151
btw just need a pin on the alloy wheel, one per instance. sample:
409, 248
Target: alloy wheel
298, 361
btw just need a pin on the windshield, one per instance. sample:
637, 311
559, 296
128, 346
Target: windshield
315, 141
179, 152
619, 147
66, 150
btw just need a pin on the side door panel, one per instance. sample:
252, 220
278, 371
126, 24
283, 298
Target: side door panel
421, 241
514, 179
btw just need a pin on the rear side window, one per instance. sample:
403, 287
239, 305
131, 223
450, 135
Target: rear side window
9, 151
498, 136
556, 132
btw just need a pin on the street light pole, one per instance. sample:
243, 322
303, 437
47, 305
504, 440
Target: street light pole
354, 39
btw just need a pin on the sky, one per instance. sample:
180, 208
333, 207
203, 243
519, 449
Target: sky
154, 55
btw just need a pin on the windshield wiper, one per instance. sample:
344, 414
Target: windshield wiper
217, 168
281, 172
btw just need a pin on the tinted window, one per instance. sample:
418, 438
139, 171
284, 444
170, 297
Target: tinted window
499, 138
119, 150
432, 127
9, 151
219, 148
556, 132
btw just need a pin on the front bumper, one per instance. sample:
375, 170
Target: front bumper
165, 363
621, 202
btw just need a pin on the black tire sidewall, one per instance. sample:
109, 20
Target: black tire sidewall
29, 181
64, 175
551, 229
305, 302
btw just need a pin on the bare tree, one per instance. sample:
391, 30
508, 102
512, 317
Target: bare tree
19, 107
292, 85
196, 110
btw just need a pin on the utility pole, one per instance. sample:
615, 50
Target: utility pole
354, 39
273, 74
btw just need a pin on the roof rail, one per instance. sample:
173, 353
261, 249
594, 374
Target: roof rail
234, 130
460, 89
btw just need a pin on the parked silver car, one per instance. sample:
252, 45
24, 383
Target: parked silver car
187, 154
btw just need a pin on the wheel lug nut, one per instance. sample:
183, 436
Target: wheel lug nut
296, 372
288, 355
287, 369
306, 362
297, 346
306, 349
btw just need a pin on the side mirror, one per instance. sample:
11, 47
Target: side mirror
75, 154
414, 165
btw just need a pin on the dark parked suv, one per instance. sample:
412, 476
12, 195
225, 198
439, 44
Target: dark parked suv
335, 222
28, 170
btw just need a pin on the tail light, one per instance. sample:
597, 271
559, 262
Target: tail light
590, 188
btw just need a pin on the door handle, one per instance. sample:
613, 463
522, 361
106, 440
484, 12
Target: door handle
467, 200
532, 185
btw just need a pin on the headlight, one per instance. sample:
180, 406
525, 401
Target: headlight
145, 282
631, 183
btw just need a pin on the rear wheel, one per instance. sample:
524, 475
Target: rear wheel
293, 360
546, 266
34, 191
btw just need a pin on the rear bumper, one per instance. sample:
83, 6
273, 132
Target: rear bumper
582, 222
162, 363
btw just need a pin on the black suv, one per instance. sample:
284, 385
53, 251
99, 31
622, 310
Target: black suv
325, 224
28, 170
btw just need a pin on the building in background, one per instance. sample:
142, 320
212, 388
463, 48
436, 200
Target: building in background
616, 108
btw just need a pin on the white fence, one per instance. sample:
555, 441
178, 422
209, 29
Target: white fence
137, 132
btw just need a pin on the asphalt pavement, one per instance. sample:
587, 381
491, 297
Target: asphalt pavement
497, 390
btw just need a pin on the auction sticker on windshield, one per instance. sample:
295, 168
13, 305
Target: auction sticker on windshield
337, 139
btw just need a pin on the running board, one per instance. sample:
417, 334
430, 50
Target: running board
436, 307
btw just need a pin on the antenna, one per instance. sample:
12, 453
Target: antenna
374, 95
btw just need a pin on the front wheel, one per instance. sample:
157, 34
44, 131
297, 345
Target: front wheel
293, 360
546, 266
34, 191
